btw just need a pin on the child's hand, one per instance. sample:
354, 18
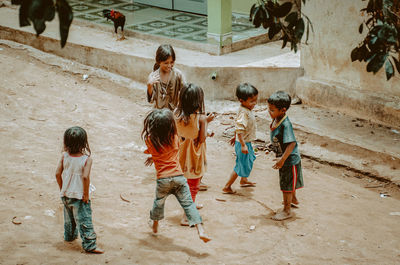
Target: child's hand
279, 164
85, 198
232, 140
210, 133
244, 149
154, 77
210, 117
148, 162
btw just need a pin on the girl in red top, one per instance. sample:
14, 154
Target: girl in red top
160, 136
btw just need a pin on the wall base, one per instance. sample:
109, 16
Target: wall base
339, 97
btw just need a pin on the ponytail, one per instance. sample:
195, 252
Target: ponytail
156, 66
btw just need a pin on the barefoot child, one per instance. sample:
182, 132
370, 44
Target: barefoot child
160, 136
73, 178
289, 163
191, 123
245, 133
165, 82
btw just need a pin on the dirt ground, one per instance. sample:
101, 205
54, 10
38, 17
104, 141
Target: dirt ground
339, 221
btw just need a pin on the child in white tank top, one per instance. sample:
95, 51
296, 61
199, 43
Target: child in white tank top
73, 178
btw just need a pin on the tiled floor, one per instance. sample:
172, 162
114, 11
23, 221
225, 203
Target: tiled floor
157, 21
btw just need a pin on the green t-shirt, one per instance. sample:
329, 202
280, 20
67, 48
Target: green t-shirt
281, 137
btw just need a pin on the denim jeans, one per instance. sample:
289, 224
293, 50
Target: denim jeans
177, 186
78, 214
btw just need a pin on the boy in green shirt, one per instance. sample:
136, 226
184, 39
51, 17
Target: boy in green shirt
285, 146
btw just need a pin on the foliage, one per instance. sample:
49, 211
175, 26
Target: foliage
382, 42
279, 19
40, 11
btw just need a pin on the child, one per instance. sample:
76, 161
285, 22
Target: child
245, 132
191, 123
289, 164
165, 82
159, 134
73, 178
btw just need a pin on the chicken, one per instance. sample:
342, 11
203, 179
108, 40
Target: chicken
118, 18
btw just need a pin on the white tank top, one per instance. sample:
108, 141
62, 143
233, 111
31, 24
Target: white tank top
72, 186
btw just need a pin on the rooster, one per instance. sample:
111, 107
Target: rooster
118, 18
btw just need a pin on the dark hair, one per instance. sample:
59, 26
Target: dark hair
245, 91
280, 100
191, 100
159, 127
75, 141
162, 54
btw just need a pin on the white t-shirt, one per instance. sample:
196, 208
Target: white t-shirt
72, 186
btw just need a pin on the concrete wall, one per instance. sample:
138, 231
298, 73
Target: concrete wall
331, 79
242, 6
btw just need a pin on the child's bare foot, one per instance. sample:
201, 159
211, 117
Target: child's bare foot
153, 225
96, 251
184, 221
203, 236
246, 183
228, 190
293, 204
282, 215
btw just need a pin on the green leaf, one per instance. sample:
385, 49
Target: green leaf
252, 9
285, 40
292, 17
65, 16
284, 9
23, 13
377, 62
354, 54
257, 19
299, 29
360, 28
273, 30
307, 31
389, 69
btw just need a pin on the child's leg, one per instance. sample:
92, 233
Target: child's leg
286, 213
244, 182
183, 195
294, 198
163, 189
85, 224
228, 185
194, 185
70, 231
202, 234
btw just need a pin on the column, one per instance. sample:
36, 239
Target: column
219, 22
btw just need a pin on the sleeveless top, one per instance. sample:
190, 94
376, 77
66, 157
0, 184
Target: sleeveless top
191, 157
72, 186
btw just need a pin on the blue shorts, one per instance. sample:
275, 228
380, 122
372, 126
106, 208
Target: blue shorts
244, 162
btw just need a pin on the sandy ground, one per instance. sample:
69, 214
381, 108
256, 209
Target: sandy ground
338, 222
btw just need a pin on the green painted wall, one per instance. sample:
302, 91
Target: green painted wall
242, 6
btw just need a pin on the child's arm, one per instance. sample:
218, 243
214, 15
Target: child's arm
242, 143
203, 122
86, 179
59, 171
154, 77
285, 155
